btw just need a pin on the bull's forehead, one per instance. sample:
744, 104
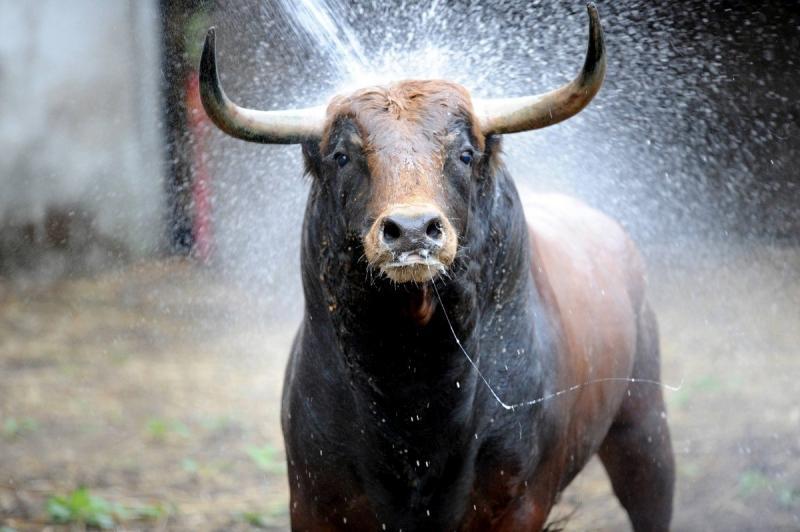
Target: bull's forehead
403, 129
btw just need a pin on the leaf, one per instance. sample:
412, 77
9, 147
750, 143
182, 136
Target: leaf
58, 510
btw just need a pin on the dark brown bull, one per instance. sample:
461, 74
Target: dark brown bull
416, 256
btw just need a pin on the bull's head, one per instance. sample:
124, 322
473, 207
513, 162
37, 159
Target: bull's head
407, 155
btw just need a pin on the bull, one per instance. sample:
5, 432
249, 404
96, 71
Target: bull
459, 360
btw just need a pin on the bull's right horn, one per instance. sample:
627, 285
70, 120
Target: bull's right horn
513, 115
265, 127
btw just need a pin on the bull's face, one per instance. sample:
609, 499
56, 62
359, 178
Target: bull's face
402, 160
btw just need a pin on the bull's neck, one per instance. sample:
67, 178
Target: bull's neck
388, 350
393, 356
398, 340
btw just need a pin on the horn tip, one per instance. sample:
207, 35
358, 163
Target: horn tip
593, 14
210, 92
207, 58
211, 35
596, 49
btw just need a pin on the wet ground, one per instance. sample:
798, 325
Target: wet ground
157, 388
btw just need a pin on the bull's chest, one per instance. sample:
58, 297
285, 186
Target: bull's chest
491, 490
496, 503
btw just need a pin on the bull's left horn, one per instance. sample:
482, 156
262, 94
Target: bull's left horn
266, 127
512, 115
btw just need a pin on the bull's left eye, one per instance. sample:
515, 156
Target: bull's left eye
341, 159
466, 156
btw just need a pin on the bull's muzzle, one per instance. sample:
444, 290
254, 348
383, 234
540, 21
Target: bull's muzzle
411, 242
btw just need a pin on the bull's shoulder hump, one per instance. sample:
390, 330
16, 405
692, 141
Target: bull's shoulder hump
559, 215
574, 237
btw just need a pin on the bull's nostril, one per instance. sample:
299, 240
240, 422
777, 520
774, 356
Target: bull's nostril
391, 231
434, 229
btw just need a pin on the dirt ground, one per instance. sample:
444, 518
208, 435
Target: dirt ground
158, 387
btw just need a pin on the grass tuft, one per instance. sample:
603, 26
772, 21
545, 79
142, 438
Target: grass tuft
160, 430
267, 458
16, 428
83, 508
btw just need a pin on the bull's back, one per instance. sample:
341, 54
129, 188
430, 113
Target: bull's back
591, 280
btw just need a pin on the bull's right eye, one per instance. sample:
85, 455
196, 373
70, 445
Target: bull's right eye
341, 159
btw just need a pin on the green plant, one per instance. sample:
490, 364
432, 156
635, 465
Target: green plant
689, 469
267, 458
708, 384
190, 465
15, 428
255, 519
704, 385
752, 482
81, 507
788, 497
159, 429
679, 399
270, 517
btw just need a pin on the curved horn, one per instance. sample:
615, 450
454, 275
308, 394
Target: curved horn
512, 115
266, 127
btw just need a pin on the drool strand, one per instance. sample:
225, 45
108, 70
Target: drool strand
549, 396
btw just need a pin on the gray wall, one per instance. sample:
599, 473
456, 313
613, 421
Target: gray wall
80, 149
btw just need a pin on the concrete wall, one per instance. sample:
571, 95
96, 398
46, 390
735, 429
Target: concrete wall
80, 149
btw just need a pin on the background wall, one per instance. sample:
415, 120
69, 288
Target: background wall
81, 177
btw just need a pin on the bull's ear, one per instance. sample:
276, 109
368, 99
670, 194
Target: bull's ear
312, 157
